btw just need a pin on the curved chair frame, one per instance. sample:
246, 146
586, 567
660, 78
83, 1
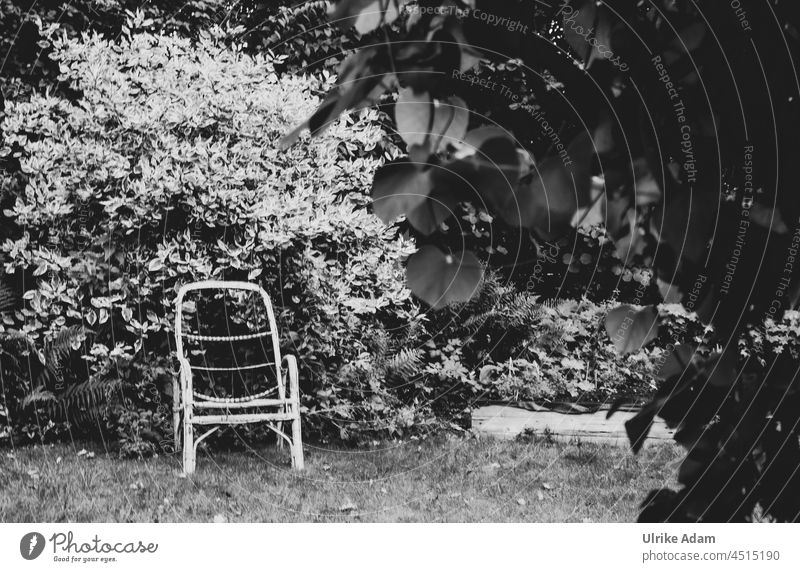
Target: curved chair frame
191, 408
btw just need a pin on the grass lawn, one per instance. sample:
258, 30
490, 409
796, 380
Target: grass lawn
436, 479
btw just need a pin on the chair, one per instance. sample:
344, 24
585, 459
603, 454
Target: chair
195, 409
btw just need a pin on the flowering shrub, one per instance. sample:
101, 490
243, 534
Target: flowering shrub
166, 171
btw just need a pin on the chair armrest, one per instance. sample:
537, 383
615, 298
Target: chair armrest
289, 362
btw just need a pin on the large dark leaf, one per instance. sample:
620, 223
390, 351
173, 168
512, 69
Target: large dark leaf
440, 279
630, 329
688, 222
413, 115
679, 361
548, 202
399, 188
365, 15
722, 368
488, 165
437, 208
421, 121
578, 22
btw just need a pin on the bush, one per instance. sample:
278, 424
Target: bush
513, 346
164, 172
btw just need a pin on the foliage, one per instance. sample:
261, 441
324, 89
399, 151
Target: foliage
148, 182
297, 33
165, 172
649, 113
515, 347
291, 30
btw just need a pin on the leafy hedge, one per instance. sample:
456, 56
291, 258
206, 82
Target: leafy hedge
167, 171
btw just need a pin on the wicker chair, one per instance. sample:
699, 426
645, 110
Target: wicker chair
192, 408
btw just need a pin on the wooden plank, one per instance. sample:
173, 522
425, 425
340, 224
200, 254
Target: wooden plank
507, 422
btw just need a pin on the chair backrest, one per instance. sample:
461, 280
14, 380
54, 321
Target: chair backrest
272, 333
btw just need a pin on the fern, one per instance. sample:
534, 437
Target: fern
58, 350
405, 364
82, 402
8, 299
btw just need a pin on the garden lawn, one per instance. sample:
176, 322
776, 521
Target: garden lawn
435, 479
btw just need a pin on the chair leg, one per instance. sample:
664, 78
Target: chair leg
176, 415
279, 426
188, 446
176, 429
297, 440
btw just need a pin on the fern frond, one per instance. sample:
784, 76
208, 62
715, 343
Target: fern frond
15, 344
61, 346
79, 403
58, 350
38, 396
405, 364
8, 299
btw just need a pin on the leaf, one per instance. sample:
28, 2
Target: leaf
687, 222
439, 279
436, 209
365, 15
427, 63
768, 218
646, 189
630, 244
432, 124
450, 122
548, 203
475, 138
155, 265
670, 292
617, 216
581, 151
723, 367
659, 506
638, 427
603, 136
399, 188
412, 114
630, 329
487, 164
589, 22
679, 360
688, 40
